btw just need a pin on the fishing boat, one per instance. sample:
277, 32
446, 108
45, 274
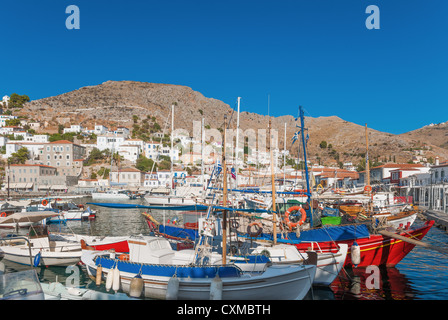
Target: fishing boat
164, 274
374, 249
69, 211
37, 249
87, 242
112, 194
170, 200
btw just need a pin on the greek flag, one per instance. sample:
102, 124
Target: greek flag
295, 137
233, 173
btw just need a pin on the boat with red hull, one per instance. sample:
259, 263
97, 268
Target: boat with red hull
376, 249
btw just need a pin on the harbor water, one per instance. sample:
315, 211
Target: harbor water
421, 275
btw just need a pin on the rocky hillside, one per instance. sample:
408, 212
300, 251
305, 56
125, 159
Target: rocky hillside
114, 103
436, 134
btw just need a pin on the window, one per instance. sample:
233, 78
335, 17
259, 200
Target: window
68, 157
57, 163
68, 163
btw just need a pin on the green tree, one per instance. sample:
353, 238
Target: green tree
17, 101
144, 164
20, 156
94, 156
323, 145
12, 122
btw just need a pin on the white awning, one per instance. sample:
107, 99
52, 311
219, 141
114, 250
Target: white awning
58, 187
19, 185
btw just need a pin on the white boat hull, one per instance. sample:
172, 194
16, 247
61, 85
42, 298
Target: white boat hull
328, 264
170, 201
64, 254
279, 282
110, 196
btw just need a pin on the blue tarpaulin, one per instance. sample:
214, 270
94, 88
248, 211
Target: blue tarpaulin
327, 233
179, 232
198, 207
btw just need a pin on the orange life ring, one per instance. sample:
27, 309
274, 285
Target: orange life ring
44, 202
3, 214
291, 224
124, 257
368, 188
258, 231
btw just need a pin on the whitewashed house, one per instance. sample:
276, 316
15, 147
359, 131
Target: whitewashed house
4, 118
5, 100
108, 141
127, 177
152, 149
74, 128
129, 152
100, 129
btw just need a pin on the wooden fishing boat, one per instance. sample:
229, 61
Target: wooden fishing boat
376, 249
37, 249
117, 243
164, 274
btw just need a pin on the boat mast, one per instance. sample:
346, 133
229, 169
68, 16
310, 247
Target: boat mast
237, 139
171, 151
273, 185
308, 191
224, 196
202, 157
284, 159
368, 170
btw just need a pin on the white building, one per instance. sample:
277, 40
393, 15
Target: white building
34, 148
136, 142
152, 150
129, 152
127, 177
100, 129
5, 100
76, 128
111, 142
4, 118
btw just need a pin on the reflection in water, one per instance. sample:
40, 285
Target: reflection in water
353, 284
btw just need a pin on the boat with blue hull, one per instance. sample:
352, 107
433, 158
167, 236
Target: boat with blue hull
168, 274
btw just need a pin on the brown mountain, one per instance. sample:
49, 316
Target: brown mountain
114, 103
436, 134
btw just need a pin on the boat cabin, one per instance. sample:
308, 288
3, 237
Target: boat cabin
154, 250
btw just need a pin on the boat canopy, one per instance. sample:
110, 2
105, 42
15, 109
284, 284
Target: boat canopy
28, 216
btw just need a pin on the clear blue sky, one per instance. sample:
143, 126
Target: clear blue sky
314, 53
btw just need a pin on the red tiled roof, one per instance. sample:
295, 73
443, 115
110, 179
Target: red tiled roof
32, 165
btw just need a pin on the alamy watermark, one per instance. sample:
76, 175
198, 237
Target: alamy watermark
73, 21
